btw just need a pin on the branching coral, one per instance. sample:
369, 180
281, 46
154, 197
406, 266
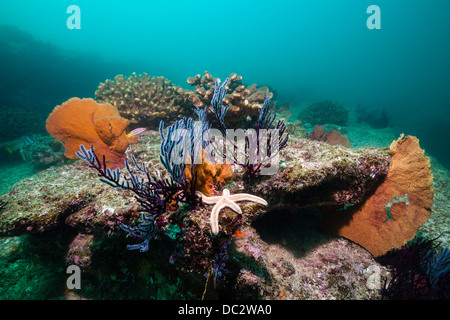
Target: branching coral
382, 224
243, 103
145, 100
324, 112
84, 121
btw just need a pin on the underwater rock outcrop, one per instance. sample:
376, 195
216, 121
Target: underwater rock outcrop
313, 174
145, 100
84, 121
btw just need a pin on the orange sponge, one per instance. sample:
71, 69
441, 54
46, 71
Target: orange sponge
84, 121
209, 175
399, 206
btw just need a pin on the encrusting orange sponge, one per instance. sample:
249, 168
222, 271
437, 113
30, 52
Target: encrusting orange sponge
209, 175
84, 121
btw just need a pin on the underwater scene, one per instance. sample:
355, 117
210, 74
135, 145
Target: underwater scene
237, 150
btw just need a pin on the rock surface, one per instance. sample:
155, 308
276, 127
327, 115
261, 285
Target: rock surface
312, 174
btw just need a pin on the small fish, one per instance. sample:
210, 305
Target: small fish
136, 132
9, 150
27, 140
239, 234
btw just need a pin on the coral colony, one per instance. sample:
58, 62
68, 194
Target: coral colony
181, 145
265, 140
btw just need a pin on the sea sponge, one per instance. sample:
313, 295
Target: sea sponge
209, 175
84, 121
332, 137
398, 207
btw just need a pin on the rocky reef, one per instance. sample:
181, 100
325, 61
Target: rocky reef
276, 252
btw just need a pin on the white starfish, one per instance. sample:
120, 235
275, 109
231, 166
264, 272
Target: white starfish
227, 200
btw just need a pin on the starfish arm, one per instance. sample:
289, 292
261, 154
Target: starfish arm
247, 197
214, 219
209, 200
233, 206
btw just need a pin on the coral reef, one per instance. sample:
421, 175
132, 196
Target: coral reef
295, 262
324, 112
243, 102
145, 100
73, 195
332, 137
273, 252
295, 128
84, 121
40, 150
399, 206
227, 200
80, 250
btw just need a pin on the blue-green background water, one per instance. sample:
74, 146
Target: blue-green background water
305, 50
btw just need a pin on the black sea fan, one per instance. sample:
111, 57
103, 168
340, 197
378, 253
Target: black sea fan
420, 270
261, 143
